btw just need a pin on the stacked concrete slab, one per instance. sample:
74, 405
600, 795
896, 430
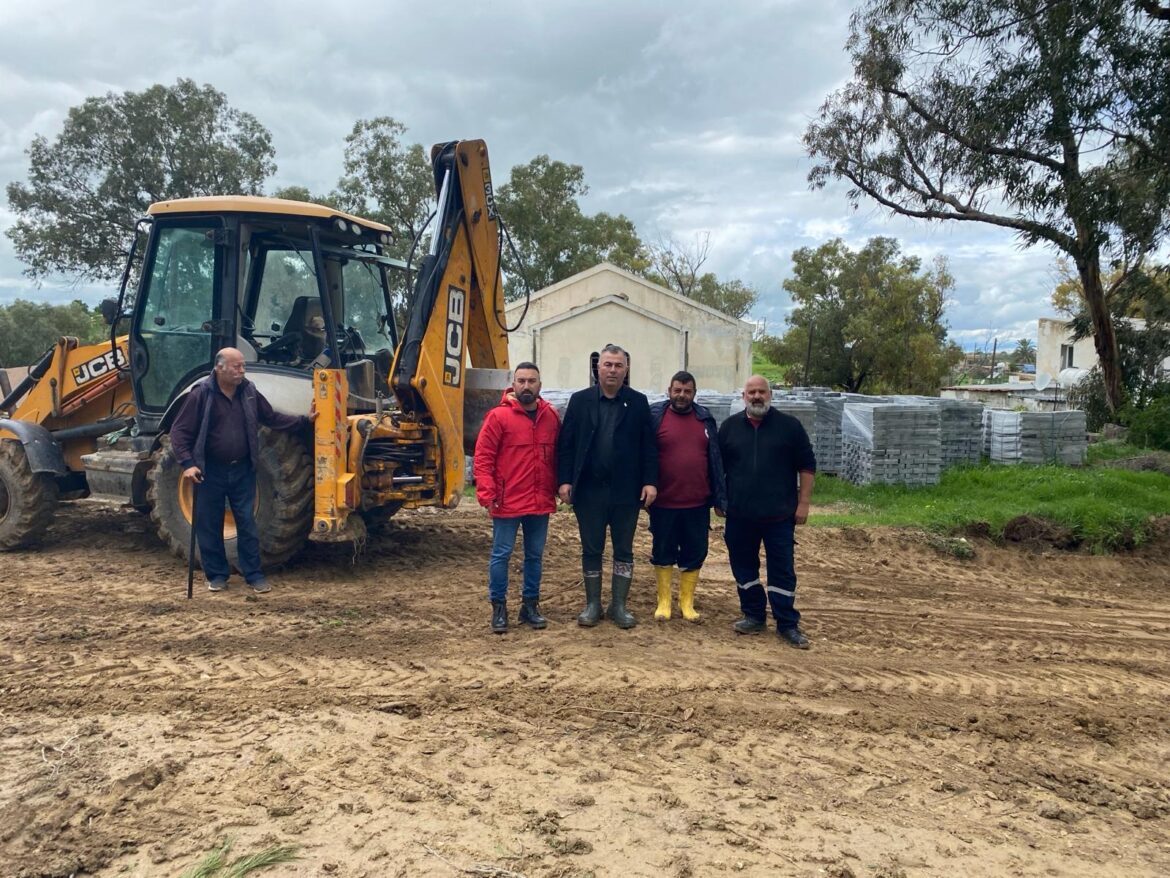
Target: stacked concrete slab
891, 443
960, 427
827, 446
1038, 437
804, 410
719, 404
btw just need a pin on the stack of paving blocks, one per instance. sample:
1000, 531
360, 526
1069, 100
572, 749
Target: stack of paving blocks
1038, 437
960, 427
891, 443
719, 404
804, 410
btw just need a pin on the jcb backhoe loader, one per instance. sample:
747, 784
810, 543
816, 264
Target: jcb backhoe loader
305, 292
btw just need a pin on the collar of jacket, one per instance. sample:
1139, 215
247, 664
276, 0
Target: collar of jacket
209, 383
508, 398
699, 411
622, 394
768, 414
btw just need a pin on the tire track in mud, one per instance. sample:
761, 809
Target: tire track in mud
153, 672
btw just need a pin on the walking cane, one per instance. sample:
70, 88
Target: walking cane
191, 544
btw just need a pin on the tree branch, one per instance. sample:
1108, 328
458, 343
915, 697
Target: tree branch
965, 141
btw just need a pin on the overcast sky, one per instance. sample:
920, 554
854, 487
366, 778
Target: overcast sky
686, 116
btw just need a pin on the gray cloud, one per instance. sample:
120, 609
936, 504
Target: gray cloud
687, 117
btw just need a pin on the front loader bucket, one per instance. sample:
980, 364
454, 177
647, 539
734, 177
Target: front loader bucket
482, 393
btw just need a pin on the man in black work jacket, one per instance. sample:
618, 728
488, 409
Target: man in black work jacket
607, 467
770, 470
216, 439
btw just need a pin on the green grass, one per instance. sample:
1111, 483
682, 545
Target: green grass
772, 371
215, 863
1106, 508
1114, 450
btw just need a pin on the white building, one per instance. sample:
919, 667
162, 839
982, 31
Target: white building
662, 330
1056, 350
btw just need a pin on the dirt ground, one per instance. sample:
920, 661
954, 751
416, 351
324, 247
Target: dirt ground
1001, 715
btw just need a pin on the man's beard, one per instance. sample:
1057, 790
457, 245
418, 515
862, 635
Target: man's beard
757, 409
526, 397
681, 406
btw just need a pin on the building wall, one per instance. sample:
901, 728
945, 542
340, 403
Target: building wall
562, 349
663, 333
1051, 336
1025, 398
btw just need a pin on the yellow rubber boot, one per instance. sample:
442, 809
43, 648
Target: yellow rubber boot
687, 581
664, 574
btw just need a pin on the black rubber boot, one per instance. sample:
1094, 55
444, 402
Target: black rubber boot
499, 617
617, 611
530, 613
591, 615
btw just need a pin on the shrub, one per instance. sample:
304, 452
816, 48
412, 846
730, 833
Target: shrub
1150, 426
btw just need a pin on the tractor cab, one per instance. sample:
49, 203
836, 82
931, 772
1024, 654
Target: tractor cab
293, 285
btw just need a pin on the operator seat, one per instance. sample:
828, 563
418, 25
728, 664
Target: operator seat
304, 309
306, 322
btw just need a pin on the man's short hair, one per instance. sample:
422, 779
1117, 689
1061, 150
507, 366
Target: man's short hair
616, 349
682, 377
526, 365
220, 359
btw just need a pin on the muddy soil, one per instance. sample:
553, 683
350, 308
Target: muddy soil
1000, 715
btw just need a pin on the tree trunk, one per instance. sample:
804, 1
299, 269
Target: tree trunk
1104, 338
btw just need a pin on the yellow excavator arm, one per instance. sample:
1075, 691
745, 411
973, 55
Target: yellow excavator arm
450, 366
457, 314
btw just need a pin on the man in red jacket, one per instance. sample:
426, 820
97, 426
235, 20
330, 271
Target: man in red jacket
515, 480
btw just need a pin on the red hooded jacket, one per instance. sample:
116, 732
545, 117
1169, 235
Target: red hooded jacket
515, 459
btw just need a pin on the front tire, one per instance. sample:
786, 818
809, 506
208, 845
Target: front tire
28, 500
284, 500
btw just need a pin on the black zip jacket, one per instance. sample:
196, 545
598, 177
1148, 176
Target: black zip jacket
762, 463
635, 447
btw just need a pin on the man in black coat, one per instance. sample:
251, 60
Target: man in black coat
770, 469
607, 467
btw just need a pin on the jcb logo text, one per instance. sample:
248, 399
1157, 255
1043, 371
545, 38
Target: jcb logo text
453, 363
93, 369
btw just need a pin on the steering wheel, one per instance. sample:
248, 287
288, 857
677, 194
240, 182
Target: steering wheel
349, 339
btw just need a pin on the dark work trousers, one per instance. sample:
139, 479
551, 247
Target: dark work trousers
595, 513
234, 484
743, 537
680, 536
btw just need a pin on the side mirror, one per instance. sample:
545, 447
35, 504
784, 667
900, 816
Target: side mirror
109, 311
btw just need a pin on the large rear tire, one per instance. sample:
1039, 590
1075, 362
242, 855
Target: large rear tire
284, 500
28, 500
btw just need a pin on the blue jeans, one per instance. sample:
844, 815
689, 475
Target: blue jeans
235, 485
743, 537
503, 541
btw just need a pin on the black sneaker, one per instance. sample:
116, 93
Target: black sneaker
260, 586
217, 585
748, 625
793, 637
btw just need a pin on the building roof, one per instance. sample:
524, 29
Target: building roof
609, 267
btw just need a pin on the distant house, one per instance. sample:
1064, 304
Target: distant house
662, 330
1056, 350
1012, 395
